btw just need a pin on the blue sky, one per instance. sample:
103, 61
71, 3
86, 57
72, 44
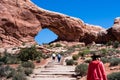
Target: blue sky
96, 12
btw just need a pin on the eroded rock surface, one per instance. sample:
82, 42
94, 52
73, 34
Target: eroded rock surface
21, 20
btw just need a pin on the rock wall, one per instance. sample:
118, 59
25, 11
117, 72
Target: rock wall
21, 20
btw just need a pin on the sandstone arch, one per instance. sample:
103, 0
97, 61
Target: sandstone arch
20, 21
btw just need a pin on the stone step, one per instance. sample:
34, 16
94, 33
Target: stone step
52, 78
59, 66
55, 73
55, 70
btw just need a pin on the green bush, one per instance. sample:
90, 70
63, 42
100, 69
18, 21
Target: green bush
116, 44
84, 52
9, 59
1, 63
109, 43
69, 62
114, 76
104, 59
6, 71
75, 57
103, 52
19, 76
81, 70
31, 53
114, 61
88, 60
28, 71
28, 64
58, 45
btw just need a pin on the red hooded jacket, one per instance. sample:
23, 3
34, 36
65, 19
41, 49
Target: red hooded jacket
96, 71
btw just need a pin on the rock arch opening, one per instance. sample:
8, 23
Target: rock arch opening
45, 36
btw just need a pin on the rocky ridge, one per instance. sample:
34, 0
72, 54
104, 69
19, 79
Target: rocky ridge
21, 20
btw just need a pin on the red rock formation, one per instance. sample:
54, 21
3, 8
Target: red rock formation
21, 20
116, 28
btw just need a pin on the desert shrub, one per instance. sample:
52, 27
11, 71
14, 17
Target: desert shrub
38, 60
28, 71
109, 43
114, 76
12, 60
28, 64
8, 58
117, 51
76, 46
81, 70
6, 71
69, 62
103, 52
104, 59
116, 44
114, 61
88, 60
1, 63
45, 56
51, 45
31, 53
58, 45
19, 76
70, 50
84, 52
75, 63
75, 57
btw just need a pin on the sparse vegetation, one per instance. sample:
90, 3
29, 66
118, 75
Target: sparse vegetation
9, 59
114, 61
6, 71
104, 60
84, 52
81, 70
58, 45
19, 76
116, 44
31, 53
28, 64
114, 76
69, 62
75, 57
26, 56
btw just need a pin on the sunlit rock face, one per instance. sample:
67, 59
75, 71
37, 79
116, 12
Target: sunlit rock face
116, 28
21, 20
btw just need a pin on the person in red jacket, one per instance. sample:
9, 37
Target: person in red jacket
96, 70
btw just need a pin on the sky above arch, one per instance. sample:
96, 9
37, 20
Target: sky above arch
96, 12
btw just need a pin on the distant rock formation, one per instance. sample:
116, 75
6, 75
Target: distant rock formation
21, 20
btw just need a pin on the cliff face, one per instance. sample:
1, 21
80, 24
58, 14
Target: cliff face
21, 20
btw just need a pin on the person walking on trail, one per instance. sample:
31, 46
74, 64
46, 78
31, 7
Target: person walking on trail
53, 56
58, 57
96, 70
